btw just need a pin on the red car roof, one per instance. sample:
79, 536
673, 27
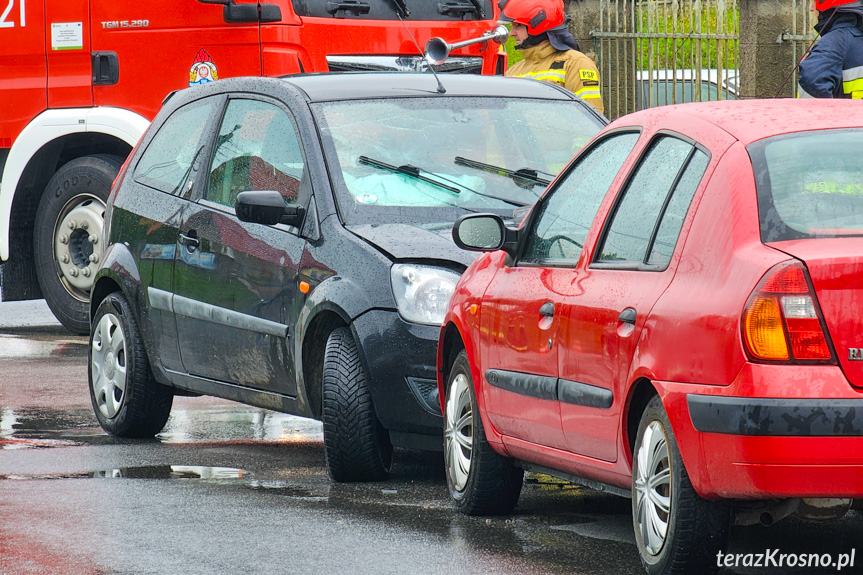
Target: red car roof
751, 120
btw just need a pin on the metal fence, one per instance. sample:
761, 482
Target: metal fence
801, 35
653, 52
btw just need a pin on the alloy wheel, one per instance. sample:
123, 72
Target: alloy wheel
653, 488
458, 432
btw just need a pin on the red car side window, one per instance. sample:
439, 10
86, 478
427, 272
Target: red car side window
650, 211
565, 217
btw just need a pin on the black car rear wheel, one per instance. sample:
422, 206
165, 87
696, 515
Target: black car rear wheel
126, 398
480, 481
676, 531
357, 447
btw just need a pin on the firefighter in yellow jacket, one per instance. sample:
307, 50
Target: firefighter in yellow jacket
550, 52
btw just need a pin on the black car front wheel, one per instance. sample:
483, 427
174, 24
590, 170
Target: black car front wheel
357, 447
126, 398
676, 531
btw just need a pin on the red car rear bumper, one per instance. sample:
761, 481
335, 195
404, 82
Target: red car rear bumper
769, 435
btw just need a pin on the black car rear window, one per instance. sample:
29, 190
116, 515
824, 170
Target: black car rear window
810, 184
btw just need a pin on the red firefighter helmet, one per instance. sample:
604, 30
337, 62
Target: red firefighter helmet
538, 15
827, 4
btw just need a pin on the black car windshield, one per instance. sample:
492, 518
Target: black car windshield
393, 160
810, 184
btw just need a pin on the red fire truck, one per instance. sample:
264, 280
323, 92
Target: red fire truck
81, 79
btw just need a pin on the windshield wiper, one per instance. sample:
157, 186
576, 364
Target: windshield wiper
407, 170
523, 178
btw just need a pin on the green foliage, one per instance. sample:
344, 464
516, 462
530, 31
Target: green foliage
661, 18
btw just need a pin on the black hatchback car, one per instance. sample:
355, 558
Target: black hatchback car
286, 243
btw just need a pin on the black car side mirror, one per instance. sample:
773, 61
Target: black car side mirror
484, 233
267, 208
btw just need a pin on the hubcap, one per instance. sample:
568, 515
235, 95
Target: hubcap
108, 365
653, 488
458, 432
78, 246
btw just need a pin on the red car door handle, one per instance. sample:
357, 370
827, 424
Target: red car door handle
628, 315
547, 309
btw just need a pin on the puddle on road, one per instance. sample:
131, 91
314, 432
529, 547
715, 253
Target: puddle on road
231, 475
22, 443
285, 489
14, 347
43, 428
145, 472
233, 423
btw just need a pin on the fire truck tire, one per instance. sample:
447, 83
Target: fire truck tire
68, 243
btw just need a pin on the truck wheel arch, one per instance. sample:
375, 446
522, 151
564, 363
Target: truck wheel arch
49, 140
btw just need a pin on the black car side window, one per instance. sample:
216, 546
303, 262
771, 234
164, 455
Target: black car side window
565, 216
257, 149
168, 163
649, 214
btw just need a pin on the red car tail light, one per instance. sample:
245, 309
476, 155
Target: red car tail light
782, 320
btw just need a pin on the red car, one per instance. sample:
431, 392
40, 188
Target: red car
678, 320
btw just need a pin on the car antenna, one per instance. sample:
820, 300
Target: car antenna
440, 88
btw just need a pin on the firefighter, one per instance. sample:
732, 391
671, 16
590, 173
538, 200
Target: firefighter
834, 67
550, 52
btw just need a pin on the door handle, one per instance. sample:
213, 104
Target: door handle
629, 315
547, 309
190, 241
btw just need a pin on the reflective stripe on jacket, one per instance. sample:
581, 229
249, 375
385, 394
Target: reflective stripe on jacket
570, 69
834, 68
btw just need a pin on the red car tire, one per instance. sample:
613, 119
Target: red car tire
480, 481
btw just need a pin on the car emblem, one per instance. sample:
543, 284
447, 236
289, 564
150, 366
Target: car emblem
855, 354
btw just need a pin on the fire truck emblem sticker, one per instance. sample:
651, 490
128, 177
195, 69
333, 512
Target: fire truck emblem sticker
203, 70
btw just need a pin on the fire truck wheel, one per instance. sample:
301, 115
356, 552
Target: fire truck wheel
68, 245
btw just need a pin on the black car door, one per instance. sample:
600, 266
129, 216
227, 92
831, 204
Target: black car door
235, 283
151, 205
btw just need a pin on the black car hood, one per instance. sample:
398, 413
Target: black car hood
414, 241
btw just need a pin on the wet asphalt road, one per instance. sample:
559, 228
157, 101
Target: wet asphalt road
233, 489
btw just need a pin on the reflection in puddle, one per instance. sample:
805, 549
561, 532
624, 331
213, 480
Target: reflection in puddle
146, 472
21, 443
171, 472
31, 428
12, 347
186, 472
286, 489
192, 426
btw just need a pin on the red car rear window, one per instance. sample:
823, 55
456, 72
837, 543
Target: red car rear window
810, 184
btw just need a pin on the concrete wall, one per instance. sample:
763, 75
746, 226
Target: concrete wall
765, 62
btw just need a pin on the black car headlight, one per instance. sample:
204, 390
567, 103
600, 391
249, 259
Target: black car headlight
422, 292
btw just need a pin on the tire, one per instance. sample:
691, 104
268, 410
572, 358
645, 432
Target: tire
68, 243
663, 499
357, 447
126, 398
480, 481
